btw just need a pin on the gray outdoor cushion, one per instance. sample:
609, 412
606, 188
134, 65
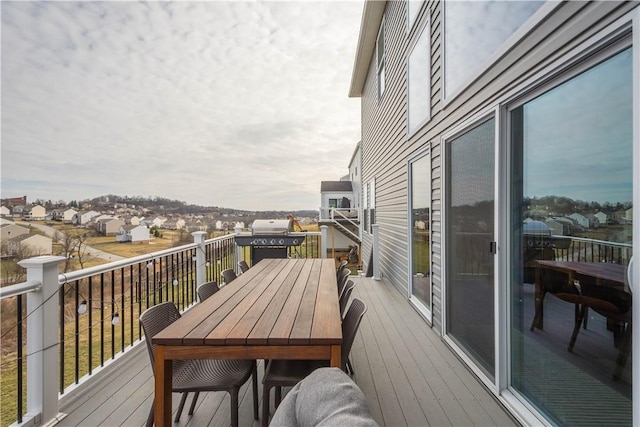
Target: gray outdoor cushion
326, 397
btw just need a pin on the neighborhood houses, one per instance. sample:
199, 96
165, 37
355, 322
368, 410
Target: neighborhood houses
107, 216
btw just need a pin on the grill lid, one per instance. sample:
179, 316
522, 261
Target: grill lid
271, 227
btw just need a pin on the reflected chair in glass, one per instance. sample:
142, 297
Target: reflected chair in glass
287, 373
198, 375
615, 306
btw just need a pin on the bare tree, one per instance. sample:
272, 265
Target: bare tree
74, 246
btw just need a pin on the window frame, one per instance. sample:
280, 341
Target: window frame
426, 32
381, 59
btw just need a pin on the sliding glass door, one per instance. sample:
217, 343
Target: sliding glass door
572, 193
470, 243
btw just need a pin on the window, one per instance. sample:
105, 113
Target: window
474, 31
333, 203
419, 82
369, 206
380, 54
573, 158
419, 227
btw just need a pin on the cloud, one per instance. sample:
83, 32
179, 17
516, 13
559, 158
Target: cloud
238, 104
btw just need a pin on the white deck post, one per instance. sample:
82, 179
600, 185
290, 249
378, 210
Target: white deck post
201, 258
323, 237
376, 252
42, 340
237, 231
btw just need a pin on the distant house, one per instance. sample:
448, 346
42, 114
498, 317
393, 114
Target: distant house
83, 217
4, 211
17, 211
174, 224
109, 226
581, 220
604, 217
35, 213
30, 245
133, 233
67, 215
159, 221
134, 220
9, 231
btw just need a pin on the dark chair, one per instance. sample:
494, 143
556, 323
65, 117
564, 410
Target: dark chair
229, 275
243, 266
287, 373
612, 304
557, 284
341, 266
198, 375
343, 298
342, 279
207, 289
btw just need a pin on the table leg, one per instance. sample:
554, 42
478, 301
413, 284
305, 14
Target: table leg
336, 354
162, 402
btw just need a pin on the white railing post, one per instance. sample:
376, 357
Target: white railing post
201, 258
376, 251
324, 230
237, 231
42, 340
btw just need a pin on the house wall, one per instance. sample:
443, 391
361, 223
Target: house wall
386, 147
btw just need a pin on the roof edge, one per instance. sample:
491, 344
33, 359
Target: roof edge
372, 14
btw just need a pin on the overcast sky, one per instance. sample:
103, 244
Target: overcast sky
235, 104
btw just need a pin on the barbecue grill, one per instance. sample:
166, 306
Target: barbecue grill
270, 238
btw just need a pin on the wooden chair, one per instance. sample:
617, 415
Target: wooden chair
287, 373
198, 375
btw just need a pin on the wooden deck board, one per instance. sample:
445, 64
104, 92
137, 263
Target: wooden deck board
407, 373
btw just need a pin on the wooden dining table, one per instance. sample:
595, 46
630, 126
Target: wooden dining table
278, 309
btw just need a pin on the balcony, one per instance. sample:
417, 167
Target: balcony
92, 337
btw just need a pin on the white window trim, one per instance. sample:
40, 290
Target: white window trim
425, 28
381, 62
425, 311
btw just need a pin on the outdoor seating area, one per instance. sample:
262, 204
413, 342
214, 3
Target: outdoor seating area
404, 369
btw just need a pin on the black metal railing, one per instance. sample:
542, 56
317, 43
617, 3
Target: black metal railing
99, 308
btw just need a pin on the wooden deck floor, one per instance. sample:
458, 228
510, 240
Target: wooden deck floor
409, 376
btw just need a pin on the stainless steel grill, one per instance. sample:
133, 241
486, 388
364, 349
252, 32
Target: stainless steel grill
280, 227
270, 238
